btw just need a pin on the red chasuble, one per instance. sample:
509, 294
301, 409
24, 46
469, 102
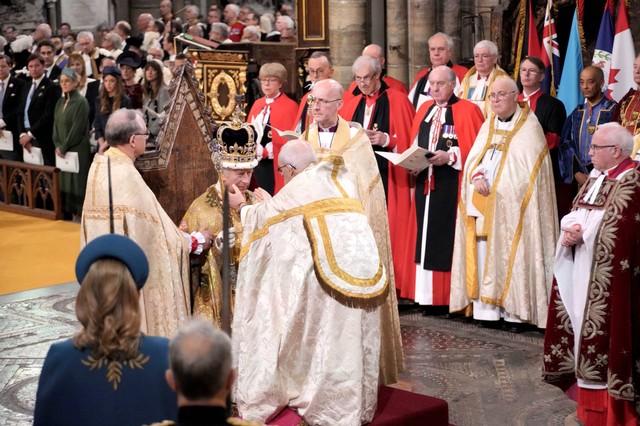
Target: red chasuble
467, 119
400, 115
283, 112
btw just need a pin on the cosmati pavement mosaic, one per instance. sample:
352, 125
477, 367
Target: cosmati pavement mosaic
488, 377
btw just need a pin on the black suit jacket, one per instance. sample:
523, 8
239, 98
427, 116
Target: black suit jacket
10, 112
41, 111
55, 73
93, 92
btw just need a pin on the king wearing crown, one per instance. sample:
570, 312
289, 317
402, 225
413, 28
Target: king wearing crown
234, 157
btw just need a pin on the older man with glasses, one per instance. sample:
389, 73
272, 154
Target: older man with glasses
319, 67
506, 233
386, 115
593, 312
114, 184
476, 84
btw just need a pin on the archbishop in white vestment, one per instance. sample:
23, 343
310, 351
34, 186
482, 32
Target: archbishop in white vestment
505, 242
306, 328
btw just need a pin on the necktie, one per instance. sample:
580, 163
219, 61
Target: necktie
1, 97
27, 124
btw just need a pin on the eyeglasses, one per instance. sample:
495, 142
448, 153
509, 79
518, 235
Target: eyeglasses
319, 71
484, 56
324, 102
365, 79
499, 96
269, 80
529, 71
597, 147
144, 135
280, 168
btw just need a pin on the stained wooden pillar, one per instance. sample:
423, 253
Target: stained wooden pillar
397, 40
422, 25
347, 36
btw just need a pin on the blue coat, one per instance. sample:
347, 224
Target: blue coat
70, 392
573, 155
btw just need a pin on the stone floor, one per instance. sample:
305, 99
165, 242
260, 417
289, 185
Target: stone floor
488, 377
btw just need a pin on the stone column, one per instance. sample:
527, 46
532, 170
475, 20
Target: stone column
347, 36
52, 14
422, 25
397, 40
451, 24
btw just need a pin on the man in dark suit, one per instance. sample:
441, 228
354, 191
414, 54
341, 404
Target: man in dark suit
36, 110
47, 50
11, 89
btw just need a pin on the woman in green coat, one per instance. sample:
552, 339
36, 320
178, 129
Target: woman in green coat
71, 135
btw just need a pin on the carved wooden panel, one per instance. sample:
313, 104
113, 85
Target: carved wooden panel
30, 189
180, 170
222, 75
313, 23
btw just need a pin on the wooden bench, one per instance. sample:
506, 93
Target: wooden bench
30, 189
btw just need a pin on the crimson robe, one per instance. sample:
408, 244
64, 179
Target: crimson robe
399, 117
467, 119
283, 112
609, 347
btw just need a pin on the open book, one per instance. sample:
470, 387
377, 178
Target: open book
413, 159
288, 135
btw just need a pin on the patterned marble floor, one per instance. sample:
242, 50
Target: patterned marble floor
488, 377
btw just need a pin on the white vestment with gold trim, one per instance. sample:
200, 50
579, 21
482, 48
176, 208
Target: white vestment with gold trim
165, 298
306, 326
505, 243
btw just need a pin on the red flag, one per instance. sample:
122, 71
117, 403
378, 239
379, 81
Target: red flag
533, 42
622, 57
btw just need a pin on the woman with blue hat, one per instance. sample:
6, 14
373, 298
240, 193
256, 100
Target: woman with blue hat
71, 138
109, 373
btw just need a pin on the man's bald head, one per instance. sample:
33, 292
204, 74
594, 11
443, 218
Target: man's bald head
295, 156
376, 52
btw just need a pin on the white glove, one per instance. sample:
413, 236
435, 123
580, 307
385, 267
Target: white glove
232, 238
259, 151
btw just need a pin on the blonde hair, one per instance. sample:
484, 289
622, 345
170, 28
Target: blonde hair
108, 308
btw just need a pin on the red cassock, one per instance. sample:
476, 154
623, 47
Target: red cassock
283, 112
467, 119
392, 114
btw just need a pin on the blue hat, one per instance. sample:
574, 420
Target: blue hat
117, 247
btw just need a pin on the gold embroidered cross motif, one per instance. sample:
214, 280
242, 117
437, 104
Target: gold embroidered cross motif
114, 367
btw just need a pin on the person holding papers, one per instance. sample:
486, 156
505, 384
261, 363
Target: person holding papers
275, 111
446, 128
71, 138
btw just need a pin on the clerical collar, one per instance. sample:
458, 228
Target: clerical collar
331, 129
526, 97
508, 119
272, 100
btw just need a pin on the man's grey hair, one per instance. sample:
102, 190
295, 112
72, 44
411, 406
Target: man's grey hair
200, 359
616, 134
86, 34
451, 76
234, 8
448, 39
251, 30
512, 84
45, 29
114, 39
363, 61
297, 153
319, 54
222, 28
290, 24
121, 126
193, 9
486, 44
